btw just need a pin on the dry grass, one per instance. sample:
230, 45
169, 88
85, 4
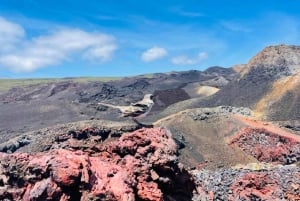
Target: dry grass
6, 84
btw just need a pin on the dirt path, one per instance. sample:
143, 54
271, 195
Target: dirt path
267, 126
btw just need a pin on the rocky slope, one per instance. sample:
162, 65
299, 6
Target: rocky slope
269, 84
286, 56
204, 133
235, 157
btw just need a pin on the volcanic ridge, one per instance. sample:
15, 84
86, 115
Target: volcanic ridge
219, 134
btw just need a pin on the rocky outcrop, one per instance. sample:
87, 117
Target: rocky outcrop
268, 147
82, 135
138, 166
217, 112
275, 56
274, 183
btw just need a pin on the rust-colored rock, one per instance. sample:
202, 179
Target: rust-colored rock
254, 185
274, 183
121, 170
267, 146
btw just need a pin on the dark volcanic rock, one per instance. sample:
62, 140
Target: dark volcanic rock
62, 86
140, 84
164, 98
218, 112
291, 125
106, 92
83, 135
32, 107
245, 91
272, 57
220, 71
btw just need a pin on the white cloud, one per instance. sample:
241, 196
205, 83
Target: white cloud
202, 56
185, 60
103, 53
153, 53
52, 49
10, 33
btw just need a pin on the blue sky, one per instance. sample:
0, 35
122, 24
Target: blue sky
69, 38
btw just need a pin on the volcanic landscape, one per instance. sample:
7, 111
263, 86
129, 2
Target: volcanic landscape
218, 134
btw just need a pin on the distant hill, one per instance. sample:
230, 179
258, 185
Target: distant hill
269, 84
31, 104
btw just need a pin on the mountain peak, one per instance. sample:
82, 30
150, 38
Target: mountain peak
278, 56
274, 61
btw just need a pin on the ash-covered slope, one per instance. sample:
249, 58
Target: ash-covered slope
269, 84
226, 136
38, 106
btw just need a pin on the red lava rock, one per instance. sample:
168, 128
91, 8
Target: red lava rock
267, 146
121, 171
275, 183
149, 190
254, 185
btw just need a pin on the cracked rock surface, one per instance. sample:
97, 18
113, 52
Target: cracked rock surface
141, 165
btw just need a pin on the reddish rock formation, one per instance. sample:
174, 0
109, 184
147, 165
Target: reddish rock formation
275, 183
138, 166
267, 146
266, 186
253, 186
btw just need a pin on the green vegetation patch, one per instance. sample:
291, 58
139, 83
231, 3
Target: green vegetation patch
6, 84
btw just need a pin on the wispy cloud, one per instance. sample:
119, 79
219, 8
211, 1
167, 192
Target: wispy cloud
185, 60
10, 34
235, 26
186, 13
182, 60
106, 17
52, 49
153, 53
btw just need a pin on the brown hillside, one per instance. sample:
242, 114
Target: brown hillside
208, 135
268, 84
